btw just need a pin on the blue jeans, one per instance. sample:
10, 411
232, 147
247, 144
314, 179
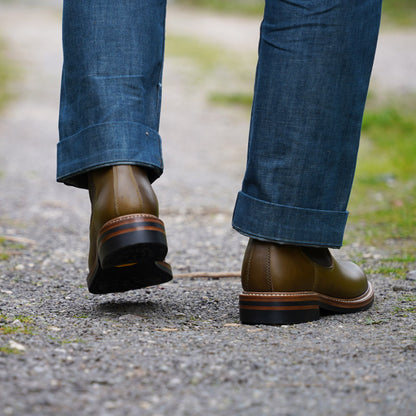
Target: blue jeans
315, 60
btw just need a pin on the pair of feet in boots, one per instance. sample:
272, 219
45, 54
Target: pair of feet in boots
282, 284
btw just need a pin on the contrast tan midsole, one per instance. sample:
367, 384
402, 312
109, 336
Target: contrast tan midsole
301, 300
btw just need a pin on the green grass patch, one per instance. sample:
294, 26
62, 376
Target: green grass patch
409, 298
383, 201
9, 350
7, 327
408, 305
393, 132
25, 319
400, 12
205, 55
226, 76
66, 341
232, 98
209, 57
396, 266
398, 272
406, 258
9, 248
7, 73
7, 330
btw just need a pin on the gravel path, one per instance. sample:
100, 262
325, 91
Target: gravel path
176, 349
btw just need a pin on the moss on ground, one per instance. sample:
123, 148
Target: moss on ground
9, 248
7, 73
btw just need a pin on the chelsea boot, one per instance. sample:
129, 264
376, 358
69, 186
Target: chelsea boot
291, 284
127, 239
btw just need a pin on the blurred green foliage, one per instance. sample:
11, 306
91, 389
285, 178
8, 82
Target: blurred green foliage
5, 74
400, 12
383, 201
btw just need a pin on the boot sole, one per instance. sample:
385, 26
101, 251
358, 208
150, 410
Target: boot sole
285, 308
131, 250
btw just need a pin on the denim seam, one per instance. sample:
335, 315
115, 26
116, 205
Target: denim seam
103, 124
298, 242
292, 207
112, 76
112, 161
283, 235
109, 163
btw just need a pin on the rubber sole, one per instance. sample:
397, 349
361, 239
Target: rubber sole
285, 308
130, 255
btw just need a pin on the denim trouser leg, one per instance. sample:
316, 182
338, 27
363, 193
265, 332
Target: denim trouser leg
315, 59
111, 86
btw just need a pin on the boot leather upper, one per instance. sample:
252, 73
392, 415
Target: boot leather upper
269, 267
116, 191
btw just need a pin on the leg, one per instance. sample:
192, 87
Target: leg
315, 61
109, 141
111, 86
312, 79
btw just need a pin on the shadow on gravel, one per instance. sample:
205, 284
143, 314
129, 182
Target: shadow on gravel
194, 301
130, 308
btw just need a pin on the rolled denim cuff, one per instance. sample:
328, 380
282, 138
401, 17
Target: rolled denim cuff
290, 225
108, 144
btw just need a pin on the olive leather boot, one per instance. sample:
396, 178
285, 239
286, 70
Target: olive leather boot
127, 238
291, 284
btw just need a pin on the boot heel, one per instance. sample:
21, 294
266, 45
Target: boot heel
278, 308
129, 239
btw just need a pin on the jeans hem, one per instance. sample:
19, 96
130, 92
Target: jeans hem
286, 224
108, 144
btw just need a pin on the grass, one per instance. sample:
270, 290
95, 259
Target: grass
397, 265
383, 201
209, 59
9, 248
226, 76
371, 321
66, 341
397, 12
403, 259
24, 319
7, 73
233, 98
9, 350
407, 305
391, 271
7, 328
400, 12
203, 54
26, 328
